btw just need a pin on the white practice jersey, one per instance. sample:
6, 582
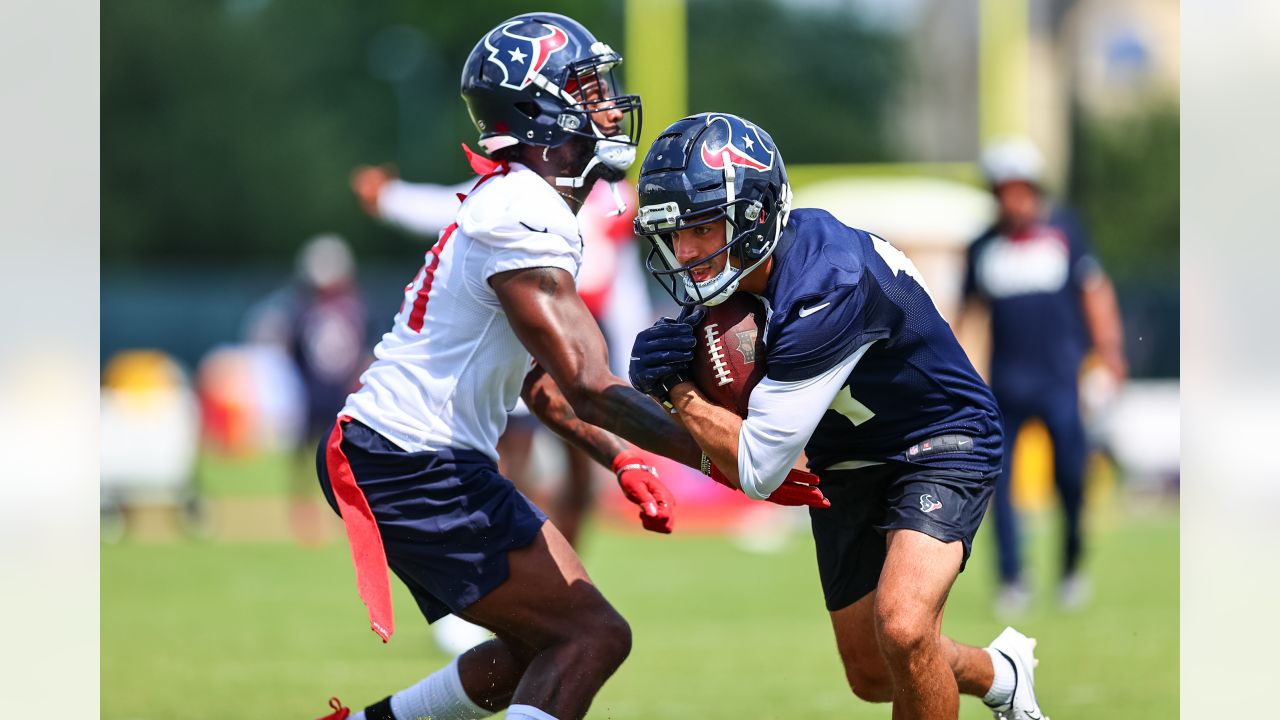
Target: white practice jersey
451, 367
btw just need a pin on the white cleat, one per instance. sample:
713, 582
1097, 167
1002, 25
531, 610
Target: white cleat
1020, 651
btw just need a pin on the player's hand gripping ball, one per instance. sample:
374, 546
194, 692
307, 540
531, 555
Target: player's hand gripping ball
728, 360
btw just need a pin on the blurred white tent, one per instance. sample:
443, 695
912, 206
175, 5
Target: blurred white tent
150, 426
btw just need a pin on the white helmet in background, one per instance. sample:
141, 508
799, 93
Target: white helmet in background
326, 261
1011, 160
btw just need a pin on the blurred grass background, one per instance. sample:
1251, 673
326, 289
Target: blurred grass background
197, 629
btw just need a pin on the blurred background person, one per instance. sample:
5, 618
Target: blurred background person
1050, 303
320, 322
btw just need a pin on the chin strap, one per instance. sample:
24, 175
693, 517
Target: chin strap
577, 182
617, 200
614, 152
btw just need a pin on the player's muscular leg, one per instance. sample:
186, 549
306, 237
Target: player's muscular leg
550, 605
491, 671
917, 575
864, 666
928, 669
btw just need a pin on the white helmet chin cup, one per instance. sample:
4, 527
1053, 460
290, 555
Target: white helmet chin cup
716, 290
615, 154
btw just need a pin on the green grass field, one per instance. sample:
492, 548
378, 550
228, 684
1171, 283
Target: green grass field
270, 630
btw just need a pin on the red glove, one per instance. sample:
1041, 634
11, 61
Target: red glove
800, 488
639, 482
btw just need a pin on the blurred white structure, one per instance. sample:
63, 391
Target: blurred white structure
930, 220
150, 430
1141, 427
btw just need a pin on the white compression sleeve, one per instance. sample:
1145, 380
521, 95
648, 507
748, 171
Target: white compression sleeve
439, 696
420, 208
780, 418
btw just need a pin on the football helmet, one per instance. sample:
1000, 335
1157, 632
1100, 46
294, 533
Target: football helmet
541, 79
705, 168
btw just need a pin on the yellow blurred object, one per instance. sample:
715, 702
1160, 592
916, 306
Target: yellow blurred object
141, 372
1100, 477
1033, 467
1033, 486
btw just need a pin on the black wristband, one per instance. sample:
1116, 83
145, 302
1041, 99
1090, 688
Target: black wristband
667, 384
380, 710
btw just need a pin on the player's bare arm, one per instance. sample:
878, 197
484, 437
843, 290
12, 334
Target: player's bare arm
544, 398
715, 429
547, 315
637, 478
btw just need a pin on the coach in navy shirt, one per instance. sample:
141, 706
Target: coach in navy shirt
1049, 303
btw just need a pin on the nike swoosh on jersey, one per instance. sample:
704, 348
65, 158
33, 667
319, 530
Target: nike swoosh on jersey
806, 312
530, 228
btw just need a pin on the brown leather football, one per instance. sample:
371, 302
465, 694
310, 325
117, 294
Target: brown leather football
729, 358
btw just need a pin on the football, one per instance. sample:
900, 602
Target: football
728, 360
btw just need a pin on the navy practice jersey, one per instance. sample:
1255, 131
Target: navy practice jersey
834, 289
1032, 282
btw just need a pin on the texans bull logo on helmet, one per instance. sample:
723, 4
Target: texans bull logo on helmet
741, 146
521, 57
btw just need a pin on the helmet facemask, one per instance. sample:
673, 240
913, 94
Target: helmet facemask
592, 91
752, 229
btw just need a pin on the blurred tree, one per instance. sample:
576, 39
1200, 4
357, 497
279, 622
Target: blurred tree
229, 127
819, 79
1125, 184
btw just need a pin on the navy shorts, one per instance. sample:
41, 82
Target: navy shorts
447, 519
866, 503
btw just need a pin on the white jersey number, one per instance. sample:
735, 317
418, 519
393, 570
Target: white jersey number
900, 263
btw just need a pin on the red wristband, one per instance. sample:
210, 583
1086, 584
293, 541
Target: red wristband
630, 460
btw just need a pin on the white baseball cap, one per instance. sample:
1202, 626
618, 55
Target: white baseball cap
1012, 159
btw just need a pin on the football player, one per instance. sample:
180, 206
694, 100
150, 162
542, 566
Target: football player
1049, 301
866, 378
410, 464
611, 282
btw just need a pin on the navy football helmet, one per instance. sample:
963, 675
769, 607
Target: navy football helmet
709, 168
543, 78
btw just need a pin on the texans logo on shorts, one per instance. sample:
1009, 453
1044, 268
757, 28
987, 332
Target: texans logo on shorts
521, 57
743, 146
928, 504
